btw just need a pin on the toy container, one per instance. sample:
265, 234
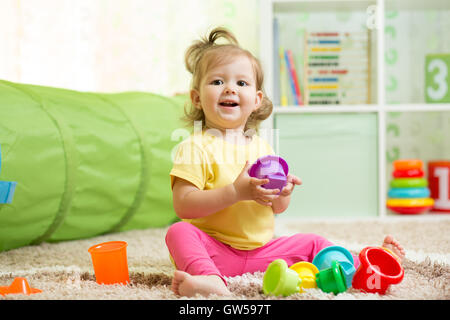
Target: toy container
273, 168
280, 280
19, 286
110, 262
332, 279
326, 256
378, 270
307, 273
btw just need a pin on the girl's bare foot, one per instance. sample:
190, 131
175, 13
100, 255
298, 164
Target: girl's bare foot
393, 245
184, 284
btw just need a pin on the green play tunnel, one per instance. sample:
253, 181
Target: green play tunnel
85, 163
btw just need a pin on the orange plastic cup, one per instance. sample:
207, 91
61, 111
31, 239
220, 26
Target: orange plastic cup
110, 262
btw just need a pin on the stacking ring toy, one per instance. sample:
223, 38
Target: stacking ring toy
409, 193
411, 173
415, 202
409, 183
407, 164
409, 210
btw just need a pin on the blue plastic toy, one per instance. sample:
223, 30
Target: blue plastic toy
325, 257
7, 188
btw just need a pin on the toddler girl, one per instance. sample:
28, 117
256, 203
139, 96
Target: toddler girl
228, 218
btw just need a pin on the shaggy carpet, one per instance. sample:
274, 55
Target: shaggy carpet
63, 271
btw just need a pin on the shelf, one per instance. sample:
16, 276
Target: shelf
341, 5
403, 124
345, 68
331, 153
416, 5
422, 107
325, 109
363, 108
321, 5
430, 215
415, 31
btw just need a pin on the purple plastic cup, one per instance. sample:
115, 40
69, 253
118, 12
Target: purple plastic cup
273, 168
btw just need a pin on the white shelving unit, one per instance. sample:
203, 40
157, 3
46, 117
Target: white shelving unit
379, 105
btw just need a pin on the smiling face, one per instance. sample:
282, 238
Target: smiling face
227, 94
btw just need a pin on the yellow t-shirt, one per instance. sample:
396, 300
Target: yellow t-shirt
210, 162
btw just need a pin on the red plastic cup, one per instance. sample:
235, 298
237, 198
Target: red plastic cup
378, 270
110, 262
439, 184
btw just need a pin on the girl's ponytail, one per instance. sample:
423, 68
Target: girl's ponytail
196, 51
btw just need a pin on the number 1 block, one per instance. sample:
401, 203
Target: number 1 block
439, 184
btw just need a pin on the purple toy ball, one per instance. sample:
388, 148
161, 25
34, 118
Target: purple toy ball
273, 168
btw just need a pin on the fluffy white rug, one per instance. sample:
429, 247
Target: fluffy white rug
64, 270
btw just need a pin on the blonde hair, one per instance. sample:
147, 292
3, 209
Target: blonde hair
205, 53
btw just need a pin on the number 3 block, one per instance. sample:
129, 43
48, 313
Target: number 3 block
437, 78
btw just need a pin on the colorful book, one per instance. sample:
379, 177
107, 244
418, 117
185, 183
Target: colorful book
283, 78
291, 78
293, 73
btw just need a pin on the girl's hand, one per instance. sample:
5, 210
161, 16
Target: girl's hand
281, 204
249, 188
292, 181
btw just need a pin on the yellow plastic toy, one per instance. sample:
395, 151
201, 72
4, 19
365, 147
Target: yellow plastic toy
307, 273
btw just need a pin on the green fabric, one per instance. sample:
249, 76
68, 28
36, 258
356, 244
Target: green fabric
85, 163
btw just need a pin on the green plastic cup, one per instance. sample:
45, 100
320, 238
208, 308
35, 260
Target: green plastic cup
332, 279
280, 280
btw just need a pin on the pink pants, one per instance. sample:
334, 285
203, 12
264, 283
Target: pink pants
197, 253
